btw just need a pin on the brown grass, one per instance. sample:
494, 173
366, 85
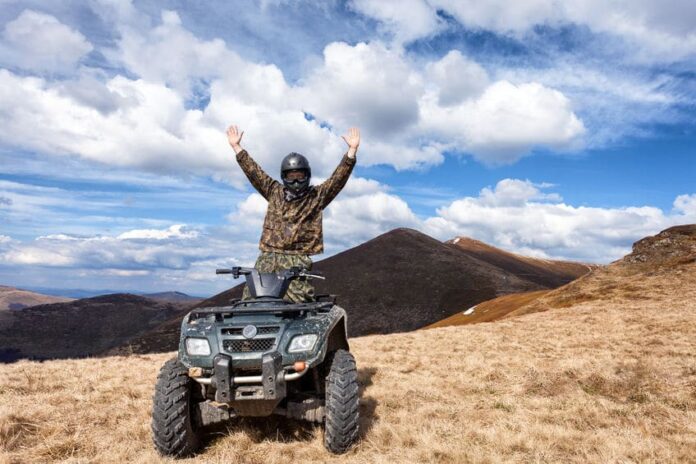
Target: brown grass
611, 380
491, 310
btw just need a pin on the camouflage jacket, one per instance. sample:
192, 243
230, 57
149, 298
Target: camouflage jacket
294, 226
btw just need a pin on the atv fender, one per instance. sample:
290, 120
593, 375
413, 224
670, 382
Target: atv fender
337, 337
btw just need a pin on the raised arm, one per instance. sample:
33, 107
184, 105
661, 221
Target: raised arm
334, 184
258, 178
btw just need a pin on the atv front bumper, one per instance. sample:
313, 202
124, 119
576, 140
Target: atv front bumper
270, 385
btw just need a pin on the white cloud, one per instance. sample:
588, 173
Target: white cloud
171, 248
170, 54
505, 122
365, 84
686, 205
515, 192
38, 42
457, 78
498, 122
364, 210
655, 30
518, 216
177, 257
249, 214
178, 231
407, 20
146, 122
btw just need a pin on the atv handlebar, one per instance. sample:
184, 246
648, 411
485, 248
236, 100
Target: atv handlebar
293, 272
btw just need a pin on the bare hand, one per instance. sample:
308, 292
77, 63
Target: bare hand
352, 138
234, 137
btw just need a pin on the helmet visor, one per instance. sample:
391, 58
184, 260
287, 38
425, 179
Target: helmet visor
295, 175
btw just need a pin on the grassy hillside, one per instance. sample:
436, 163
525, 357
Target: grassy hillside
82, 327
595, 382
15, 298
490, 310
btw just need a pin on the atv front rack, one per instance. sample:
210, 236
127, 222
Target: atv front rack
261, 306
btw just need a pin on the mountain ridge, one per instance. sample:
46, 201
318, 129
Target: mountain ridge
398, 281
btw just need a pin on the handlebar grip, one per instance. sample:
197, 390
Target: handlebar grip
223, 271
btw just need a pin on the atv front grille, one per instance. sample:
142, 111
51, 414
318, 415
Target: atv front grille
247, 346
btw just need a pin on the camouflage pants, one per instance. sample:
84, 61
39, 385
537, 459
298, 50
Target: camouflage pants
299, 290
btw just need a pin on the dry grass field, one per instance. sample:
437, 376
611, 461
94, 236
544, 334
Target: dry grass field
605, 372
594, 382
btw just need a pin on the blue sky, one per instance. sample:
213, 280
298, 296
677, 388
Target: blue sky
558, 131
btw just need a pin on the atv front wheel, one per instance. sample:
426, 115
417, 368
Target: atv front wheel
341, 421
174, 431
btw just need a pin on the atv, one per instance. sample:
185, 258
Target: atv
255, 358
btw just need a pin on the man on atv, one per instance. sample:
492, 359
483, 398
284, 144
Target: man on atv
292, 229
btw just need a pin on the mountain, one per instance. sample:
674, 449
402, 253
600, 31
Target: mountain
80, 328
545, 272
595, 380
74, 293
173, 297
15, 298
490, 310
399, 281
652, 265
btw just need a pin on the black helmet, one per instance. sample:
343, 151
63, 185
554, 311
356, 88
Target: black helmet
295, 161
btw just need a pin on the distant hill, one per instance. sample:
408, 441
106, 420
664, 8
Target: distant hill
80, 328
546, 272
15, 298
173, 297
75, 293
399, 281
653, 260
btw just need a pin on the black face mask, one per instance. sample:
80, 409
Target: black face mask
291, 195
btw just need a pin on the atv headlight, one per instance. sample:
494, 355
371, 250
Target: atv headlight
302, 343
197, 346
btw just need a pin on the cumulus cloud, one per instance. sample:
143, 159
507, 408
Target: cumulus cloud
176, 257
457, 78
38, 42
518, 215
352, 220
138, 249
655, 30
365, 209
407, 20
171, 54
506, 121
365, 83
178, 231
686, 205
153, 119
497, 122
